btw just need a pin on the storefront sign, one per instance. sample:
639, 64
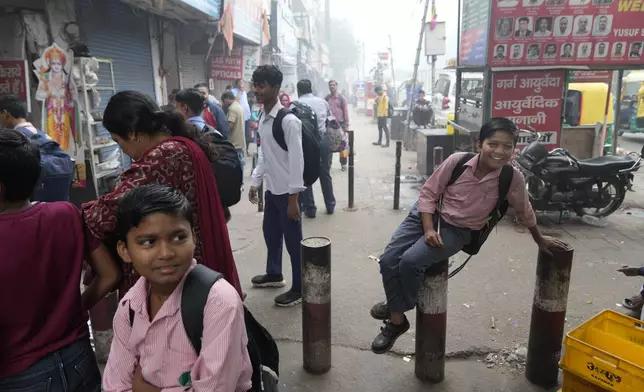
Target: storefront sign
532, 100
566, 32
14, 79
228, 67
252, 59
247, 17
590, 76
212, 8
474, 32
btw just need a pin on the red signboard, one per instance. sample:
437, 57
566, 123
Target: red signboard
531, 99
14, 79
566, 32
228, 67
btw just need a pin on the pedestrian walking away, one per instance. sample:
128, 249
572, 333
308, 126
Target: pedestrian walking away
167, 150
454, 204
282, 171
338, 104
322, 111
236, 125
43, 316
382, 113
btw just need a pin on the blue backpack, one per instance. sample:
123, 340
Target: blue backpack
57, 168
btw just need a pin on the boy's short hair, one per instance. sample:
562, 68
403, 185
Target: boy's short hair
268, 74
501, 124
146, 200
192, 98
227, 95
13, 105
19, 166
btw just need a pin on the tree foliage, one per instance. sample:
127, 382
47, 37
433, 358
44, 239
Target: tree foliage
344, 50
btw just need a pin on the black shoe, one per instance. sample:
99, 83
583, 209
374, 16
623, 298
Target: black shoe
310, 215
385, 145
330, 211
387, 336
380, 311
268, 281
344, 167
376, 143
289, 298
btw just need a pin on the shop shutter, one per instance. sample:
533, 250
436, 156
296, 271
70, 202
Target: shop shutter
192, 69
113, 30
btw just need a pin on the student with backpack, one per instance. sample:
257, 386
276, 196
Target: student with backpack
282, 165
154, 346
458, 206
45, 341
57, 172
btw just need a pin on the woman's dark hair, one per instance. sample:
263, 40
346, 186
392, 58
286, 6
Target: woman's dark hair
268, 74
498, 124
13, 105
147, 200
19, 165
193, 98
134, 112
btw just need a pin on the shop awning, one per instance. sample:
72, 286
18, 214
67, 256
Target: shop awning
183, 10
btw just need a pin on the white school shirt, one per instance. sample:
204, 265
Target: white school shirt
282, 171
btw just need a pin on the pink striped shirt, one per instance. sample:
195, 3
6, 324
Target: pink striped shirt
468, 201
162, 349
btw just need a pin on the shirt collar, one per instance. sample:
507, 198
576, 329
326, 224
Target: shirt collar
306, 95
275, 109
137, 297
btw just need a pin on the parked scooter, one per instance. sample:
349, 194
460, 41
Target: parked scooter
557, 181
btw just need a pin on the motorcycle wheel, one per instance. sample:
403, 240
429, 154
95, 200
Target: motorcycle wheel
617, 194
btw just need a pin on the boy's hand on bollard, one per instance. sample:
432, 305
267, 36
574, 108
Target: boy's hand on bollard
548, 244
433, 239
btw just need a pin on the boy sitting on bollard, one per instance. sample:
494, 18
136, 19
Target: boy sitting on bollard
467, 202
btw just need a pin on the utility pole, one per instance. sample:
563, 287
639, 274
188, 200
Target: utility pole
420, 44
393, 73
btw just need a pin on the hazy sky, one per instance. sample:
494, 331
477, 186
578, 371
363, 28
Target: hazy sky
374, 20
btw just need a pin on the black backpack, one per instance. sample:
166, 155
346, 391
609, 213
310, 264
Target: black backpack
498, 212
57, 168
310, 138
227, 168
262, 349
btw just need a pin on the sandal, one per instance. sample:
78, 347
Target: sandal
634, 303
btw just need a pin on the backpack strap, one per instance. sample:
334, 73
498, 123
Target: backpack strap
505, 181
278, 131
460, 167
196, 289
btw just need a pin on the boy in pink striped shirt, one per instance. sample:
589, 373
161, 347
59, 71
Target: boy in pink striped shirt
467, 202
151, 351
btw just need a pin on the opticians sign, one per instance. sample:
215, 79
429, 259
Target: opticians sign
566, 33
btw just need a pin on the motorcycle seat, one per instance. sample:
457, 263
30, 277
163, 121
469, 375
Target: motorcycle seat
605, 164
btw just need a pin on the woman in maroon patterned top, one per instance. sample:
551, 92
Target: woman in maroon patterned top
167, 150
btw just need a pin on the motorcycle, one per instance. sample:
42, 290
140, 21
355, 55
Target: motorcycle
558, 181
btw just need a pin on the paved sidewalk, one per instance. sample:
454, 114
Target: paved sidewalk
497, 284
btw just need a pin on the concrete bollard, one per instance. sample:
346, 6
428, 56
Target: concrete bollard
397, 175
351, 207
101, 317
316, 304
431, 325
548, 317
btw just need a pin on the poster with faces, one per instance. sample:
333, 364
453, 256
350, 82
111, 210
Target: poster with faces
563, 26
584, 50
516, 51
582, 25
601, 50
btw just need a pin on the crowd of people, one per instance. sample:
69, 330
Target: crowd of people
145, 237
156, 235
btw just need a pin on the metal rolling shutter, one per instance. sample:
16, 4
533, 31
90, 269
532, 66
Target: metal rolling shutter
114, 31
192, 69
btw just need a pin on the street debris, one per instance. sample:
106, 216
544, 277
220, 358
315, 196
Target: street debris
374, 258
406, 359
467, 305
492, 322
513, 358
